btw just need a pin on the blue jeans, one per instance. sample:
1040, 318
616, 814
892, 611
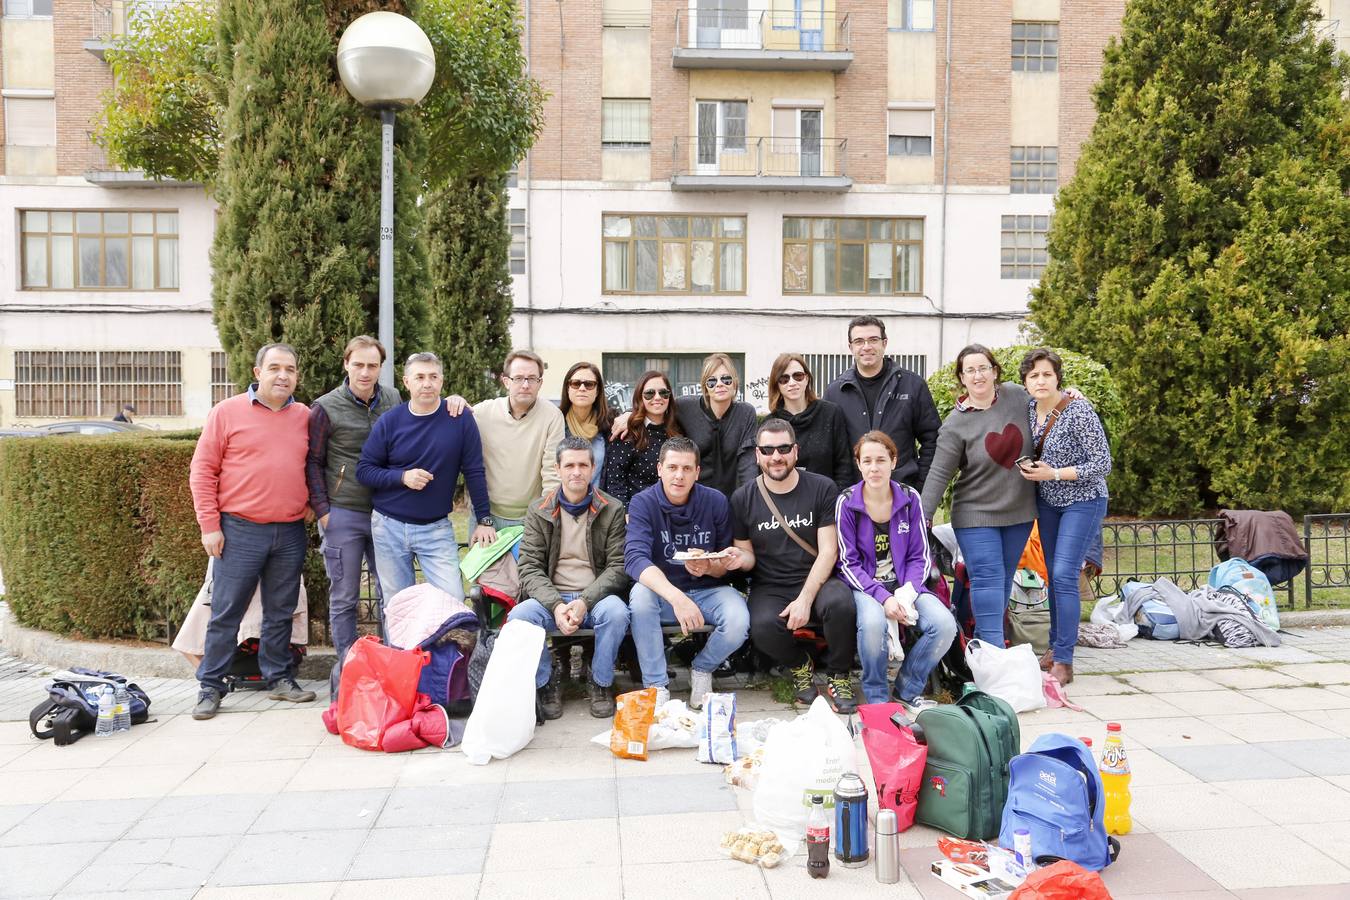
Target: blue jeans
1066, 534
273, 554
723, 608
991, 555
937, 627
434, 546
346, 541
609, 618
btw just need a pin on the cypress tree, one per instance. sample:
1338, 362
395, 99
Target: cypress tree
1202, 252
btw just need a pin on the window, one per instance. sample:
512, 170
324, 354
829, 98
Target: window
30, 121
826, 367
721, 129
673, 254
911, 15
517, 241
1035, 170
66, 250
626, 124
622, 370
626, 14
513, 177
852, 256
95, 383
1024, 251
1035, 46
910, 132
222, 387
27, 9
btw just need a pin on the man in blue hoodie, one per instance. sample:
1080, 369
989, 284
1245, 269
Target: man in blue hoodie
676, 515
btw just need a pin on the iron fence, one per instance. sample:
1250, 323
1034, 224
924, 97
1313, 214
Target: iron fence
1327, 538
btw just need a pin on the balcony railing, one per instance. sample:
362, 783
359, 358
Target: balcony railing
732, 37
705, 162
111, 19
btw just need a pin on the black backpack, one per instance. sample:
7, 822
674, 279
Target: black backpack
71, 709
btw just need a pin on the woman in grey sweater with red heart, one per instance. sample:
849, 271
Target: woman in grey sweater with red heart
993, 506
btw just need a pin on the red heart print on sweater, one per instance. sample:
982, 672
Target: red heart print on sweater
1004, 446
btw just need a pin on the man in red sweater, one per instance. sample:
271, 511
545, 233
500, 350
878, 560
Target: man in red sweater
248, 489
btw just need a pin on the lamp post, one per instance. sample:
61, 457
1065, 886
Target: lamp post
386, 62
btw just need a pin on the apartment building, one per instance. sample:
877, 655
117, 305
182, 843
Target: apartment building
735, 175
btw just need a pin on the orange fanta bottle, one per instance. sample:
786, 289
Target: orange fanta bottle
1115, 771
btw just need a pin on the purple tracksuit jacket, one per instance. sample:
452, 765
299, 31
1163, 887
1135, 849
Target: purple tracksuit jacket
857, 564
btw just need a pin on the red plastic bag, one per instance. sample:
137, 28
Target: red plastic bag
897, 760
378, 689
1065, 880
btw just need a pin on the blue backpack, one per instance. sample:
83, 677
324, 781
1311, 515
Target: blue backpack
1251, 584
1055, 792
1154, 617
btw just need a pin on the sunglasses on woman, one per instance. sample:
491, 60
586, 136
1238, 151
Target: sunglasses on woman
791, 376
582, 384
651, 393
724, 379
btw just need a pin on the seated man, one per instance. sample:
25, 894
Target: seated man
674, 515
785, 536
571, 569
411, 461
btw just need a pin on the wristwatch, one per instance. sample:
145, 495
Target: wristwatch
486, 520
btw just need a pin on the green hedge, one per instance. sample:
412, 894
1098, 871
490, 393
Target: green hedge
98, 536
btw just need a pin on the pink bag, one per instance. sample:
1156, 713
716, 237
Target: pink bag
897, 760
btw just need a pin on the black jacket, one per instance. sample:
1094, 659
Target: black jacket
905, 411
823, 446
726, 446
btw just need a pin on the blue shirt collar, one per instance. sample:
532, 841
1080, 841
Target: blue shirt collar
253, 397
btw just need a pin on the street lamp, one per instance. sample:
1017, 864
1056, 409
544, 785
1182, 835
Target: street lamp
386, 62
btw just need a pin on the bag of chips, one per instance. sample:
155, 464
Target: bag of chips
634, 713
717, 729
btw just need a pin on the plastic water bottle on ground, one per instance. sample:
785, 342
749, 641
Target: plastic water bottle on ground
1115, 771
121, 708
104, 725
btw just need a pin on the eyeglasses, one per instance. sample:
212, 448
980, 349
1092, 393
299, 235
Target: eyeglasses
978, 370
582, 385
791, 376
724, 379
780, 449
867, 342
524, 380
650, 393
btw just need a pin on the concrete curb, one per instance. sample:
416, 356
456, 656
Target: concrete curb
1309, 618
60, 652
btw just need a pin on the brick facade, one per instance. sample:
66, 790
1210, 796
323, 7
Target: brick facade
81, 81
566, 61
670, 89
860, 91
981, 82
1084, 28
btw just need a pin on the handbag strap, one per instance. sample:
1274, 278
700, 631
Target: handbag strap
1050, 421
778, 517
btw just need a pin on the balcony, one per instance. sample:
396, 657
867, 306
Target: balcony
100, 171
731, 37
730, 163
110, 19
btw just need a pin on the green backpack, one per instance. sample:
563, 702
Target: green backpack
965, 781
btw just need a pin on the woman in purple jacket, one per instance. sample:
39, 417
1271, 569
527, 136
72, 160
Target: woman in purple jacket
883, 557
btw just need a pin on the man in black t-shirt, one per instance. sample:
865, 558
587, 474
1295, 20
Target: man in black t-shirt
790, 586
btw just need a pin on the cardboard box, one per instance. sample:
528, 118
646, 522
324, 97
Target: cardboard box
972, 880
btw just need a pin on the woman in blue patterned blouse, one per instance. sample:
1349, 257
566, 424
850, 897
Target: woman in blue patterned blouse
1070, 472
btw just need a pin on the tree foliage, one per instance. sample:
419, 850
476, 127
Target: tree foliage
1202, 252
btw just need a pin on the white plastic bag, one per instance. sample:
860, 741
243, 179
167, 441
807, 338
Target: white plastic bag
502, 720
675, 726
1110, 610
1013, 674
802, 758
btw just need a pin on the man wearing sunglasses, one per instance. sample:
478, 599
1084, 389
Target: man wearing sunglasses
879, 394
785, 536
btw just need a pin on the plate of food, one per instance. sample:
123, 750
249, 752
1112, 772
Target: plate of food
696, 553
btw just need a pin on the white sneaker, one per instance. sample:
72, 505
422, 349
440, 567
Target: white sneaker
662, 696
700, 683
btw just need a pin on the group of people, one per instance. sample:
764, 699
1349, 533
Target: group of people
808, 530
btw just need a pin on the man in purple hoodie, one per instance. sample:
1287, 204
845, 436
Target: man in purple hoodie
883, 557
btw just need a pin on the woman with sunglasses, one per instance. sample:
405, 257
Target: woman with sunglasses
586, 412
822, 434
630, 465
721, 426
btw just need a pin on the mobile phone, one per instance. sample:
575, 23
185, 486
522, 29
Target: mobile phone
1024, 462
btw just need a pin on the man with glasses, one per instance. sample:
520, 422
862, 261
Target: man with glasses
410, 462
785, 536
520, 436
878, 394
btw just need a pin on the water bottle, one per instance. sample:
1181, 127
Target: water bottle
1115, 771
850, 822
818, 839
105, 712
121, 709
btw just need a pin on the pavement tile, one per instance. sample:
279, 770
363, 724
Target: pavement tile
1114, 707
1257, 857
587, 761
1063, 715
1166, 682
115, 783
554, 801
153, 864
12, 733
42, 869
227, 722
183, 893
439, 806
1232, 763
664, 794
182, 749
313, 810
647, 839
1318, 673
1307, 892
301, 856
1149, 767
321, 890
196, 815
11, 816
1284, 654
1292, 801
1330, 837
1215, 702
11, 752
95, 820
1188, 807
1149, 866
421, 852
262, 777
541, 846
89, 753
1249, 678
449, 886
1334, 720
680, 881
1260, 728
447, 767
1318, 757
1176, 731
23, 788
602, 883
1298, 698
675, 761
789, 880
369, 770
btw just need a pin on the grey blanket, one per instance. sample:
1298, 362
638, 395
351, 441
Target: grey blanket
1199, 613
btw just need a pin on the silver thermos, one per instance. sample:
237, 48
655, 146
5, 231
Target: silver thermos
888, 847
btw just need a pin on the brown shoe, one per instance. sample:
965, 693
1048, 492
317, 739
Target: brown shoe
1063, 673
1047, 660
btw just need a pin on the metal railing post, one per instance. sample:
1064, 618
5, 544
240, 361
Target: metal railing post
759, 156
1308, 569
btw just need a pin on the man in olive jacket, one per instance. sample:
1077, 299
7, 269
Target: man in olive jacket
571, 571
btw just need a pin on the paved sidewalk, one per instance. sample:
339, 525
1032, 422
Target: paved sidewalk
1241, 789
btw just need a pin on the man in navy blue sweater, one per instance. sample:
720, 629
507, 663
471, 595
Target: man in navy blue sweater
411, 461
